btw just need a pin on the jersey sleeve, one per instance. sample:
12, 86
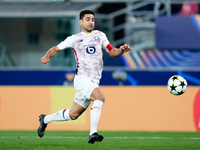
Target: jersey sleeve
106, 44
67, 43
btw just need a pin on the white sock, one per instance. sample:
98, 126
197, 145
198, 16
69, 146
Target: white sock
95, 113
62, 115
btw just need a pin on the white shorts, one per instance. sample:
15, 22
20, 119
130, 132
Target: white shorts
84, 87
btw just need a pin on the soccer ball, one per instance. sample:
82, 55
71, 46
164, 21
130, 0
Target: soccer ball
177, 85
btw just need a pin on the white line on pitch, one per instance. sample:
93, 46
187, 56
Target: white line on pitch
73, 137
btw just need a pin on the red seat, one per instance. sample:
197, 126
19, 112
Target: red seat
189, 8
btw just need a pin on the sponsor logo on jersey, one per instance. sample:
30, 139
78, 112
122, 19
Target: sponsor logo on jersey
91, 50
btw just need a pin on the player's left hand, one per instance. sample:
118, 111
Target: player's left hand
125, 48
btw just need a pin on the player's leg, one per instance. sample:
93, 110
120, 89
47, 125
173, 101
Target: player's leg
63, 115
87, 90
76, 110
98, 97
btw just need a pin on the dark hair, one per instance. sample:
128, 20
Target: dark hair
82, 13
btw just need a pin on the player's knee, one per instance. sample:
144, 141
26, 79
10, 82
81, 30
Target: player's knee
101, 97
74, 116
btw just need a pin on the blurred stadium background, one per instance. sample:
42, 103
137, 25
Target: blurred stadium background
164, 35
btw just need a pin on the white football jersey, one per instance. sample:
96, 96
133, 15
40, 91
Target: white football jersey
88, 52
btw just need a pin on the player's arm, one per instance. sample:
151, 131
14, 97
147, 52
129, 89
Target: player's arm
115, 52
50, 53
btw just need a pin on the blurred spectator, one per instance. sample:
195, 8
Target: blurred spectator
68, 79
189, 8
119, 75
122, 76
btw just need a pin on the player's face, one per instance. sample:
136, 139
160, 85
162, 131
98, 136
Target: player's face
87, 23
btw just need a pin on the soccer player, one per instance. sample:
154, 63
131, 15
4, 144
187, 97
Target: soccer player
87, 46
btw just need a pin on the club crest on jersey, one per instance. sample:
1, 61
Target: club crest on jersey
96, 38
91, 50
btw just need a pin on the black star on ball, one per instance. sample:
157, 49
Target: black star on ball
179, 93
175, 78
173, 87
182, 84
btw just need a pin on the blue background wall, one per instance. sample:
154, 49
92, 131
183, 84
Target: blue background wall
38, 77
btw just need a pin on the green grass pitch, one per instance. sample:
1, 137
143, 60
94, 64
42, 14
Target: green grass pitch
113, 140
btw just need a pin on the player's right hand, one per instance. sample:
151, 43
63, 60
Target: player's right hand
44, 60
